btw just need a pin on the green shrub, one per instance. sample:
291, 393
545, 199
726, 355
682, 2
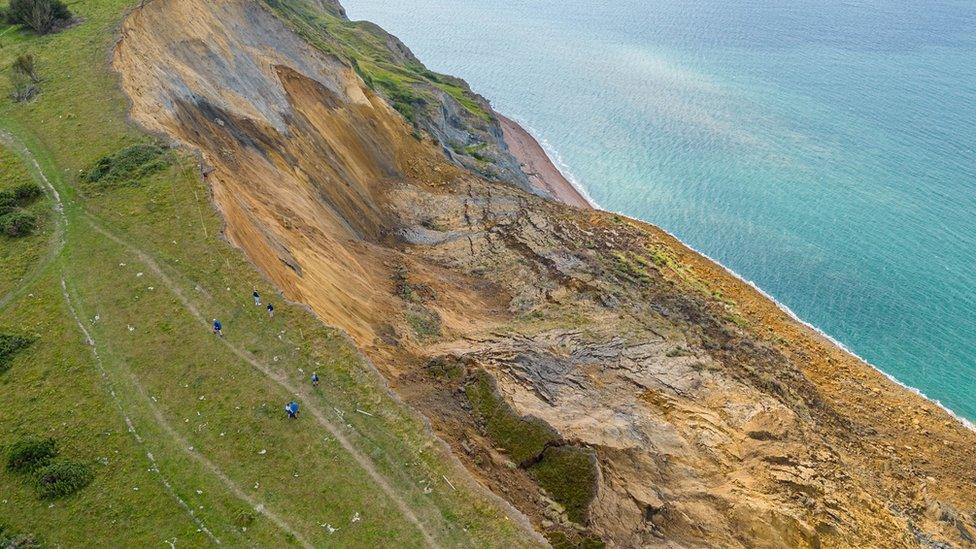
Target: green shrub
10, 539
62, 478
8, 201
26, 64
41, 16
24, 77
127, 166
524, 438
27, 192
568, 473
243, 518
31, 454
446, 368
425, 322
10, 345
17, 224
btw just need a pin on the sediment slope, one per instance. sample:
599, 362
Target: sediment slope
590, 369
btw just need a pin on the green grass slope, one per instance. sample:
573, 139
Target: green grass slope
183, 431
18, 255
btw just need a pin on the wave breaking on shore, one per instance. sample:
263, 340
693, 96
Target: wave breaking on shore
568, 178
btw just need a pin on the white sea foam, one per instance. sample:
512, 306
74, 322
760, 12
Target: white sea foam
557, 161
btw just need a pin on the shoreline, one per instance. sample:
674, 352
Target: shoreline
539, 167
546, 176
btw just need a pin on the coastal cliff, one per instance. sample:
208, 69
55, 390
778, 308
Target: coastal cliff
611, 384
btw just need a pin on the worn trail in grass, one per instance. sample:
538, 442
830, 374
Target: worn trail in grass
167, 485
281, 380
180, 440
208, 455
32, 269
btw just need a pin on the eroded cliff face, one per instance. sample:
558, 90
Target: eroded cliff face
588, 368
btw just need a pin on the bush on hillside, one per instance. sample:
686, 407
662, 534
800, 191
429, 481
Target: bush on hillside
10, 345
23, 88
62, 478
41, 16
25, 193
127, 165
26, 64
31, 454
17, 224
24, 78
11, 539
8, 201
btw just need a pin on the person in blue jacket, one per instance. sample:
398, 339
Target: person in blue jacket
292, 410
315, 379
218, 328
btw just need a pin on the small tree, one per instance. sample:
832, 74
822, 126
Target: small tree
41, 16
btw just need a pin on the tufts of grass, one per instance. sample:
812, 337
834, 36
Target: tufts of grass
31, 454
559, 540
10, 346
524, 438
405, 82
11, 539
632, 266
568, 473
62, 478
127, 166
425, 322
446, 368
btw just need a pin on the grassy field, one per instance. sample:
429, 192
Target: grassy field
185, 431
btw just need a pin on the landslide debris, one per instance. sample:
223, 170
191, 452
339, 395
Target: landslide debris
604, 379
461, 122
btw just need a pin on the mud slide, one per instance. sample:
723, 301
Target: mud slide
587, 368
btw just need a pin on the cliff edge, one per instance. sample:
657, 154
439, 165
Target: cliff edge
610, 383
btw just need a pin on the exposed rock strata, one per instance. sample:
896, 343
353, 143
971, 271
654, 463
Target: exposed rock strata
715, 419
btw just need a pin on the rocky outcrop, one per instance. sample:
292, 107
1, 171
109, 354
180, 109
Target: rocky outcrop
603, 378
461, 122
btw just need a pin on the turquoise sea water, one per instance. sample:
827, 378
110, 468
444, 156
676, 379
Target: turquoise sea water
825, 150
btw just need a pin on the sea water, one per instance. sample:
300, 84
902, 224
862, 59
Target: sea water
825, 150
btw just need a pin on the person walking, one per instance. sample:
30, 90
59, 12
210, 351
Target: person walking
292, 410
218, 328
257, 298
315, 379
270, 310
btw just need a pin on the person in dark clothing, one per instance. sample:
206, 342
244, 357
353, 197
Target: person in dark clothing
292, 410
270, 310
218, 328
315, 379
257, 298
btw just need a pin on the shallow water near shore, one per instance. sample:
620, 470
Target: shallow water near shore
825, 151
